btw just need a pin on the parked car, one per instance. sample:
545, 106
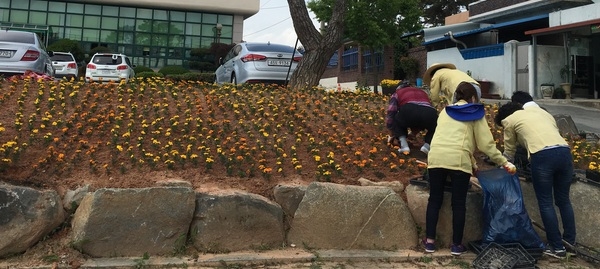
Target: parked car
258, 62
65, 65
105, 67
23, 51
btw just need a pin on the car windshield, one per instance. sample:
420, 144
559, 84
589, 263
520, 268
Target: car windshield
17, 37
62, 58
107, 59
270, 47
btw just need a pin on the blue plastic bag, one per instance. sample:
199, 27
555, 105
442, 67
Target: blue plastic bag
505, 218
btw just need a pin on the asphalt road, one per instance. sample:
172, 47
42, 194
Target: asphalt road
585, 118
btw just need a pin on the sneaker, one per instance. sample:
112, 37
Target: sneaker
457, 249
429, 247
556, 253
405, 150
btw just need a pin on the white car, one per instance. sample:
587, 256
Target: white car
21, 52
105, 67
64, 65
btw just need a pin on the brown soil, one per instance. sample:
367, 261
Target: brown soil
64, 135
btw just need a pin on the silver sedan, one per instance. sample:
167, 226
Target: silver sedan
21, 52
258, 62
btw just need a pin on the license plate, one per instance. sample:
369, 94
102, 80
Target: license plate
105, 72
278, 62
6, 53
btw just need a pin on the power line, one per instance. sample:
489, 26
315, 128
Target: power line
267, 27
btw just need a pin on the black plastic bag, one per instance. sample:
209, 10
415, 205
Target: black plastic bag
505, 218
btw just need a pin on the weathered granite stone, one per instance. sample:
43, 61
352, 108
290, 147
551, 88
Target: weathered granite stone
26, 215
417, 202
233, 220
333, 216
131, 222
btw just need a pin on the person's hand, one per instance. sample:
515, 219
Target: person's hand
510, 168
475, 169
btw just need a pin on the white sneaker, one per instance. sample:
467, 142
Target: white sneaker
404, 151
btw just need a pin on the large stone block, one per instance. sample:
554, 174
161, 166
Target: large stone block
231, 220
131, 222
417, 201
333, 216
26, 215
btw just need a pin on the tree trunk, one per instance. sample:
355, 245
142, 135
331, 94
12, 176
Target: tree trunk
319, 46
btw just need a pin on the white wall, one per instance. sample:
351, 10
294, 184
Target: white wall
550, 59
573, 15
496, 69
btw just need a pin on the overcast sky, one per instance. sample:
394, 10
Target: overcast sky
272, 23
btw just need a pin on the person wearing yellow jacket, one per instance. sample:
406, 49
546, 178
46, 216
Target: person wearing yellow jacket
527, 124
461, 129
443, 79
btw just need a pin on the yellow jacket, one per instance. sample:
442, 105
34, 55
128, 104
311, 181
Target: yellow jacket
534, 128
443, 85
455, 141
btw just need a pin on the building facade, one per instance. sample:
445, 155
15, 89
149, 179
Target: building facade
152, 33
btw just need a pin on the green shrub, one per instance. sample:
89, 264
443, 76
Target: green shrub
148, 74
173, 70
68, 45
202, 77
141, 68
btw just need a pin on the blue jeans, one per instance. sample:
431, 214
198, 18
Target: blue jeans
552, 173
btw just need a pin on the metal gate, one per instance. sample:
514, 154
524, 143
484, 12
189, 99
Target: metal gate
523, 66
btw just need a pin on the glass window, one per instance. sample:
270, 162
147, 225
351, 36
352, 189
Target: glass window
4, 14
176, 41
110, 11
209, 30
37, 17
56, 19
174, 62
177, 28
209, 19
57, 6
160, 15
127, 12
92, 22
74, 20
206, 42
108, 36
143, 25
20, 4
91, 35
5, 4
192, 41
143, 38
110, 23
195, 17
226, 19
75, 8
160, 27
160, 40
125, 38
144, 13
226, 32
39, 5
177, 16
18, 16
192, 29
93, 9
58, 32
73, 33
127, 24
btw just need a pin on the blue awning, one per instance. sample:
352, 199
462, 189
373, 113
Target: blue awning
486, 28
